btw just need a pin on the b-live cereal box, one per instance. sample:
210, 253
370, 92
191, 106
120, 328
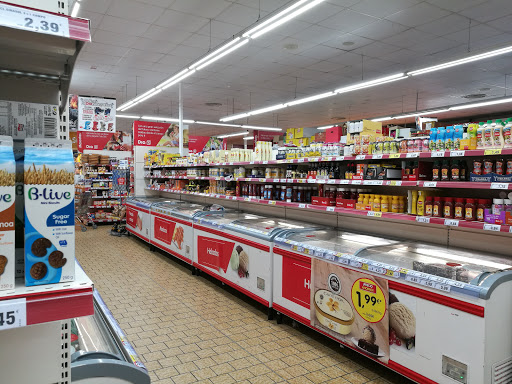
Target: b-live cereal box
49, 212
7, 198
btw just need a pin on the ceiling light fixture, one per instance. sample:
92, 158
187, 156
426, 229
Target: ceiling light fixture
484, 104
148, 95
170, 119
249, 138
310, 98
435, 111
325, 127
281, 18
75, 10
216, 52
372, 83
233, 135
261, 128
469, 59
383, 118
234, 117
179, 79
127, 116
172, 78
221, 55
219, 124
266, 109
406, 116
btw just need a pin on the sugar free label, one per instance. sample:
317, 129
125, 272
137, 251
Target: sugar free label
13, 314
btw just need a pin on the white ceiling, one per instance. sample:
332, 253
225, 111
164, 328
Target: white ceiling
137, 44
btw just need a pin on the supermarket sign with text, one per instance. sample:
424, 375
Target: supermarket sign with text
29, 19
108, 141
153, 134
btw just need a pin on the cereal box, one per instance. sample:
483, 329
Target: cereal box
49, 212
7, 198
19, 155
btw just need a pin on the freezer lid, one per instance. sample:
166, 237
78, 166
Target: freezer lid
184, 211
167, 205
220, 219
192, 210
269, 226
329, 242
146, 202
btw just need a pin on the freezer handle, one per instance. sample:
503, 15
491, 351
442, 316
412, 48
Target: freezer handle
82, 356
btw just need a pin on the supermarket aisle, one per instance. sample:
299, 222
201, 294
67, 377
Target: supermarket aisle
188, 329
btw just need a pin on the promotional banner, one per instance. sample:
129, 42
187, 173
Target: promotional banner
266, 136
97, 141
204, 143
96, 114
352, 307
73, 113
153, 134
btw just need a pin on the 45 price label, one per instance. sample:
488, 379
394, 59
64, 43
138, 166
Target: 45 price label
368, 300
13, 314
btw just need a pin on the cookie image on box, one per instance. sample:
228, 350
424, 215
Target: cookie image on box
3, 263
56, 259
40, 247
38, 271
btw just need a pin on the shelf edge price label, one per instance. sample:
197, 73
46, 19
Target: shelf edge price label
340, 158
423, 219
395, 183
330, 209
301, 160
492, 227
272, 202
13, 313
457, 153
368, 300
430, 184
499, 185
451, 222
376, 157
374, 214
491, 152
437, 154
412, 155
302, 205
394, 155
331, 181
357, 182
360, 157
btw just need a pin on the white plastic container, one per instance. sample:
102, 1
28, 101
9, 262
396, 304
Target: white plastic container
497, 134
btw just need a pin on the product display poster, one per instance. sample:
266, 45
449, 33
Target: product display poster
73, 112
97, 141
351, 307
96, 114
198, 144
402, 322
153, 134
21, 120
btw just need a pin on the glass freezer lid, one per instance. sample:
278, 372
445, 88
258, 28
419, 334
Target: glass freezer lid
186, 210
222, 218
330, 241
269, 226
426, 259
146, 202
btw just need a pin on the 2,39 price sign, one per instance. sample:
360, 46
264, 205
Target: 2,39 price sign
368, 300
13, 314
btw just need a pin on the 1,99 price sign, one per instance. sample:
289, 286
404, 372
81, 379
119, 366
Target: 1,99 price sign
13, 314
368, 300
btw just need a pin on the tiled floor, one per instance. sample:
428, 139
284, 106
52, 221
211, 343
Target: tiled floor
189, 329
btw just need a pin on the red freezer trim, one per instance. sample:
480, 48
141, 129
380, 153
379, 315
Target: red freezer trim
175, 254
49, 294
237, 287
231, 237
409, 373
463, 306
291, 314
136, 234
66, 306
171, 218
284, 252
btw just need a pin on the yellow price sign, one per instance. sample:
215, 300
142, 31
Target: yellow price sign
394, 156
364, 266
368, 300
492, 152
390, 273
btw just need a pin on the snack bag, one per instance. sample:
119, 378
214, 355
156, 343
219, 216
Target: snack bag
7, 198
49, 212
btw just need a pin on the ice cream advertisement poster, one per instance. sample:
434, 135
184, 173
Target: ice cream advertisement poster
402, 322
351, 307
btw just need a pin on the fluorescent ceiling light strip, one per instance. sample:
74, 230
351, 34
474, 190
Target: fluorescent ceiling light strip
242, 43
484, 104
140, 97
469, 59
285, 19
248, 138
406, 116
310, 98
436, 111
218, 124
383, 118
170, 119
234, 117
233, 135
215, 53
179, 79
127, 116
172, 78
266, 109
366, 84
274, 18
262, 128
325, 127
75, 10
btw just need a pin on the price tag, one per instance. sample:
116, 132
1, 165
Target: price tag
374, 269
373, 182
247, 199
313, 159
272, 202
355, 264
301, 181
437, 154
284, 180
330, 209
492, 152
331, 181
302, 205
251, 162
430, 184
442, 287
344, 182
451, 222
395, 183
301, 160
492, 227
360, 157
374, 214
13, 313
357, 182
34, 21
499, 185
230, 163
265, 162
368, 300
510, 229
311, 181
394, 155
412, 279
377, 157
276, 180
344, 260
457, 153
392, 273
423, 219
340, 158
412, 154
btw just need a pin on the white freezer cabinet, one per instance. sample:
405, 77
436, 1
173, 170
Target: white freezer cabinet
100, 351
446, 312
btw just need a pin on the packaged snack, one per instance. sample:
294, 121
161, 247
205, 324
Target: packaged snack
49, 212
7, 198
19, 156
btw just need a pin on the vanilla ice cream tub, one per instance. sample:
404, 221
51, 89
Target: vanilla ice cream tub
7, 206
49, 212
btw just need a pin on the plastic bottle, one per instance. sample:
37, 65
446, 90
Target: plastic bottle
455, 171
395, 204
420, 204
376, 203
458, 135
432, 144
497, 206
366, 202
384, 203
448, 207
440, 144
488, 135
472, 133
507, 134
437, 207
401, 204
413, 208
469, 210
445, 171
459, 208
436, 171
480, 134
429, 201
449, 138
497, 134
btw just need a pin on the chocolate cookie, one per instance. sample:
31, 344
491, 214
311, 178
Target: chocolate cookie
3, 263
40, 247
57, 259
38, 271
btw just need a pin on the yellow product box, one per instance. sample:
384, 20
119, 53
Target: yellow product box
303, 142
299, 133
290, 133
371, 130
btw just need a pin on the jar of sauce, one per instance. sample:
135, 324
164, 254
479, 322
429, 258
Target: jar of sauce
470, 210
295, 193
429, 202
437, 207
448, 208
459, 208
